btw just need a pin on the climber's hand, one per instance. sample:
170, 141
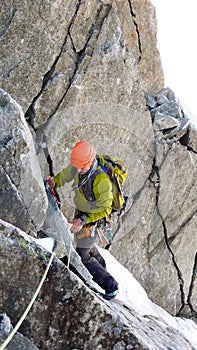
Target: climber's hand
76, 225
50, 181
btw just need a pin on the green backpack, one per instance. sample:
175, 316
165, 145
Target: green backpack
116, 169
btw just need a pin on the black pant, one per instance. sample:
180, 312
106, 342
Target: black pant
95, 264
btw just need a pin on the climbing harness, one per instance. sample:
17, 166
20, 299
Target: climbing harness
11, 335
102, 236
104, 231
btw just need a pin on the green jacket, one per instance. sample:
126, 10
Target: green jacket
95, 205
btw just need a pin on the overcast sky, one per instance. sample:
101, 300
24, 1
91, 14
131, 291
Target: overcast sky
177, 44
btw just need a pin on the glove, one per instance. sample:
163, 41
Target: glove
50, 181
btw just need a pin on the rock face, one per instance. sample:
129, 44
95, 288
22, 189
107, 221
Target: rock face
164, 212
90, 70
18, 342
31, 40
23, 200
48, 48
67, 314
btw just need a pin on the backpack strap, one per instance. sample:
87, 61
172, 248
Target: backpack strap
114, 162
91, 181
106, 171
114, 180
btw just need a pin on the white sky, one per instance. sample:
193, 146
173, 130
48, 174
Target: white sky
132, 294
177, 44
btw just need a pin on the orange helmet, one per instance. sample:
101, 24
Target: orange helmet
82, 155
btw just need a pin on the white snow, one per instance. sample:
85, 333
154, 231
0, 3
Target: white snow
134, 296
47, 243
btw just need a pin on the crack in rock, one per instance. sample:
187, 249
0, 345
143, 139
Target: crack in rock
179, 274
137, 31
21, 62
86, 51
9, 23
30, 113
193, 280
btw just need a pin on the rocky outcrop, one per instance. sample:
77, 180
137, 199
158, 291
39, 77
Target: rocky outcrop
164, 212
67, 314
19, 342
95, 74
176, 208
54, 46
23, 199
31, 40
176, 166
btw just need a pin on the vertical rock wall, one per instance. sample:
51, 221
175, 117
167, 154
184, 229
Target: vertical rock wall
81, 70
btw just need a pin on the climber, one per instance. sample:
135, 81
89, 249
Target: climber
89, 212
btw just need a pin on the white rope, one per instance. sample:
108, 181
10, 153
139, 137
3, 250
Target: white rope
69, 252
6, 342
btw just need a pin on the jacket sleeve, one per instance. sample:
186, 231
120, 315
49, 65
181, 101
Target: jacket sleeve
102, 206
64, 176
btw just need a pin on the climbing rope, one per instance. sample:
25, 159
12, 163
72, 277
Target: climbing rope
6, 342
69, 252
